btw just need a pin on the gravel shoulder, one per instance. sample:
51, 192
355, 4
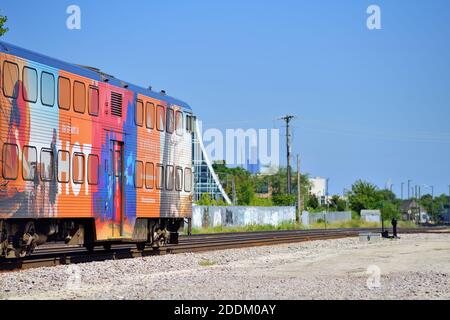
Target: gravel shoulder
413, 267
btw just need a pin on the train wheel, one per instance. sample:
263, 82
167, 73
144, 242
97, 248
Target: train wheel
26, 242
161, 242
20, 253
107, 246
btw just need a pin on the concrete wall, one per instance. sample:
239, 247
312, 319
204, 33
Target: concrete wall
212, 216
330, 217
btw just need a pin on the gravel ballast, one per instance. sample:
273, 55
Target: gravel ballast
413, 267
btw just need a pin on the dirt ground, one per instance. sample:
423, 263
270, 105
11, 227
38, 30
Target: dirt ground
413, 267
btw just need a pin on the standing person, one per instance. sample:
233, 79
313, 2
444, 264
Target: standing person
394, 227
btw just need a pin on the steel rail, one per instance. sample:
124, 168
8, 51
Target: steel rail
50, 255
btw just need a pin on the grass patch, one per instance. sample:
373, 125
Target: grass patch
206, 263
248, 228
354, 223
403, 224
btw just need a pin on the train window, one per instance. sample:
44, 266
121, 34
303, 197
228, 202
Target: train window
150, 115
149, 175
139, 116
79, 97
29, 163
179, 179
193, 120
160, 118
169, 177
188, 179
47, 164
63, 166
78, 168
10, 79
159, 176
188, 123
170, 121
47, 89
64, 93
93, 101
138, 174
93, 164
30, 84
179, 123
10, 161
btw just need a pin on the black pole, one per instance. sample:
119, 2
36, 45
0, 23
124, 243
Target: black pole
288, 119
402, 189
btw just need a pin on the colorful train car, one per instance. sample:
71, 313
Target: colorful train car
87, 158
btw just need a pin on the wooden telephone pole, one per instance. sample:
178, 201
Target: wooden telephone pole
299, 198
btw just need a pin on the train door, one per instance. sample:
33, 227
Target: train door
116, 151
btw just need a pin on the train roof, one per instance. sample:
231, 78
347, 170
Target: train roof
87, 72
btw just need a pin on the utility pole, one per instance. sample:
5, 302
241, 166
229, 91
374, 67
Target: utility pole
328, 203
344, 194
409, 188
233, 190
432, 200
299, 199
448, 203
288, 119
402, 189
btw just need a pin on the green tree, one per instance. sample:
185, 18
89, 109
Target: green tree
243, 182
245, 191
436, 207
284, 199
246, 185
262, 202
205, 200
427, 203
389, 210
338, 204
313, 202
364, 195
278, 182
3, 20
387, 195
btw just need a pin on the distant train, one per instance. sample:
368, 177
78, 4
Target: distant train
88, 159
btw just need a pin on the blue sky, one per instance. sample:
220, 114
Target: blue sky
372, 104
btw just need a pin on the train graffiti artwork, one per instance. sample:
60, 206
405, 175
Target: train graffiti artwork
88, 158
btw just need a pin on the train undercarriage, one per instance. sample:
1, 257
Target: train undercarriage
20, 237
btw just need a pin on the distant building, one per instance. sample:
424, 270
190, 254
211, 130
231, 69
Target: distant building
205, 179
265, 191
319, 187
412, 211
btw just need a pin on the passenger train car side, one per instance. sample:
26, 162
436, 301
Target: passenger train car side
87, 158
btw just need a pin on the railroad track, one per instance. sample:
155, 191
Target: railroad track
53, 255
